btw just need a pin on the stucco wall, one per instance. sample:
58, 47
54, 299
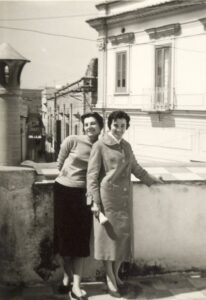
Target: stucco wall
169, 228
170, 225
26, 230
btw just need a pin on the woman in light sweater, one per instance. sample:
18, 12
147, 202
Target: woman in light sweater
72, 214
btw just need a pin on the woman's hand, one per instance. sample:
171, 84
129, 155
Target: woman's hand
158, 179
96, 209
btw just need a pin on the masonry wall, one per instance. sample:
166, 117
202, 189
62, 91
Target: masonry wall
26, 231
169, 228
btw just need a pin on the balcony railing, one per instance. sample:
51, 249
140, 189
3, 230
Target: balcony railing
159, 99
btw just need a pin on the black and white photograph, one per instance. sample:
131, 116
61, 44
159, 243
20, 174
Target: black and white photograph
103, 149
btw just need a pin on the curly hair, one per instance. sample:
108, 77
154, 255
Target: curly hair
118, 114
94, 115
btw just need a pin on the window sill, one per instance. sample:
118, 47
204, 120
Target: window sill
156, 111
121, 94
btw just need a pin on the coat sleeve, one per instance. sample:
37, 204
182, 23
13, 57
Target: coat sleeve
140, 172
64, 152
93, 174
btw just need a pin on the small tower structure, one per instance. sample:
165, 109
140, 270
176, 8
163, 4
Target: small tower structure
11, 65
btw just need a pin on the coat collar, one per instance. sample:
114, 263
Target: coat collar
108, 140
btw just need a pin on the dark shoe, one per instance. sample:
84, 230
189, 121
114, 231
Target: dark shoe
75, 297
123, 287
64, 289
121, 284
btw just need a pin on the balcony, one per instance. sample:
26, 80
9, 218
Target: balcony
159, 100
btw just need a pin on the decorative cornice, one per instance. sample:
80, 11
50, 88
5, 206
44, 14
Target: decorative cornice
98, 23
127, 38
140, 14
164, 31
203, 21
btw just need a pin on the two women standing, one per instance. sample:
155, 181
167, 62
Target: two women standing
110, 166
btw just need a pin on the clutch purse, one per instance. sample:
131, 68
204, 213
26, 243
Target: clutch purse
102, 218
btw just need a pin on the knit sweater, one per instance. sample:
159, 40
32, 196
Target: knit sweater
73, 161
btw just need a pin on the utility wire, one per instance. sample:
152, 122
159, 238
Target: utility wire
47, 18
47, 33
85, 39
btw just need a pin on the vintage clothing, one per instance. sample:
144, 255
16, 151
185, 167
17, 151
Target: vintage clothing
109, 185
72, 215
73, 160
72, 221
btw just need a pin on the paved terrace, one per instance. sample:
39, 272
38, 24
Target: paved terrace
168, 171
191, 286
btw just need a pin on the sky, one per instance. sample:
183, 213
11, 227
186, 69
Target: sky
53, 35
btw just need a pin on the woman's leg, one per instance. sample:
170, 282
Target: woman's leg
77, 267
111, 281
117, 265
67, 271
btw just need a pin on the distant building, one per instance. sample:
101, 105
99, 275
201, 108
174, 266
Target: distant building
152, 64
32, 128
63, 107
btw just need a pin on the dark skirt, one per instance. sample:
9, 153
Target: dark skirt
72, 221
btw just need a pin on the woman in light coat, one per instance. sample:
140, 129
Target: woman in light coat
108, 186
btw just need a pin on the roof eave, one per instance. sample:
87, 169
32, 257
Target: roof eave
96, 23
13, 59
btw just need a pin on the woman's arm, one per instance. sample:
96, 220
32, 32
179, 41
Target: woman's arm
142, 174
93, 173
64, 152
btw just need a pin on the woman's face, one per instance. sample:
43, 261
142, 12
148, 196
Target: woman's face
91, 127
118, 128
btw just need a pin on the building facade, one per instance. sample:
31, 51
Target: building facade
152, 64
63, 107
32, 128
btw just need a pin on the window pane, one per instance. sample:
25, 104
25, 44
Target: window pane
159, 71
162, 75
118, 70
121, 66
166, 67
123, 69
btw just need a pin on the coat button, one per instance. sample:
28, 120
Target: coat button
125, 189
123, 160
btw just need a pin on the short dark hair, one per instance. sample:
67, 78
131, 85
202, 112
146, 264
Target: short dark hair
118, 114
94, 115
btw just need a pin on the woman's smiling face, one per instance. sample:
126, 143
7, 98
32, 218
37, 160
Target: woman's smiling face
91, 127
118, 128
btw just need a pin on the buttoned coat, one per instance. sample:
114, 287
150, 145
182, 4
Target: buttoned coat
109, 185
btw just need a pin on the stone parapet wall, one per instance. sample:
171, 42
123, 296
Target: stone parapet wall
16, 223
26, 230
168, 227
